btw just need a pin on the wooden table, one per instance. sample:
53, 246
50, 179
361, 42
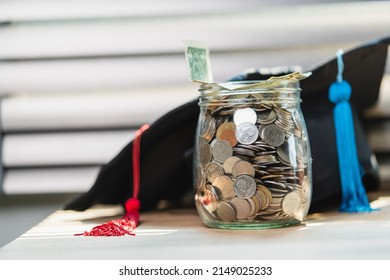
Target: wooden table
179, 234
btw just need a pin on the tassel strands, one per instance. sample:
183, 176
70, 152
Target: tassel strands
130, 221
354, 197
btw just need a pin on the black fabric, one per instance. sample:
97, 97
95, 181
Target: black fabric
166, 148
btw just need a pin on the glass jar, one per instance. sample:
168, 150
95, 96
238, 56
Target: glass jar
252, 163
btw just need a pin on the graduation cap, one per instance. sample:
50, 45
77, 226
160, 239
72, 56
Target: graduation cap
157, 164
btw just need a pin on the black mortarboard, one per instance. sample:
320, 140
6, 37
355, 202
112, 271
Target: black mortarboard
167, 146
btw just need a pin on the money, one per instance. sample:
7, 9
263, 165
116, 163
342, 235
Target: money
247, 133
292, 202
253, 161
243, 167
226, 126
242, 208
222, 150
198, 59
224, 187
244, 186
266, 117
273, 135
213, 170
205, 153
273, 82
229, 163
226, 212
245, 115
207, 128
209, 199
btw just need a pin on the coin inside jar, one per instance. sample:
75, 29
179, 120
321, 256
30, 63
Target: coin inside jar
245, 115
224, 187
292, 202
243, 167
223, 127
229, 163
244, 186
272, 135
226, 212
207, 129
266, 117
205, 153
246, 133
242, 207
222, 150
230, 136
213, 170
209, 199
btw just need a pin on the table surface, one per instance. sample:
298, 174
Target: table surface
179, 234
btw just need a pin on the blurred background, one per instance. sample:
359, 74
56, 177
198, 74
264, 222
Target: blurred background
78, 77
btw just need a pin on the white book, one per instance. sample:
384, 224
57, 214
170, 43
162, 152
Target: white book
49, 180
255, 29
63, 149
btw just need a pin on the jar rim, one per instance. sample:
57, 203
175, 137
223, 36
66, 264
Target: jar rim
243, 91
257, 86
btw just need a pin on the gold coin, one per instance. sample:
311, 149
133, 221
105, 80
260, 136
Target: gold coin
243, 167
253, 206
242, 207
229, 163
226, 212
292, 202
224, 187
223, 127
230, 136
267, 194
213, 170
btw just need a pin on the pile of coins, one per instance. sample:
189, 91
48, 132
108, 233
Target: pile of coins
252, 163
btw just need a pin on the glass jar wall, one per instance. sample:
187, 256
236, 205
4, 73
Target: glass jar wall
252, 164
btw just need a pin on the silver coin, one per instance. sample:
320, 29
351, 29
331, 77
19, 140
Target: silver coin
266, 117
292, 202
204, 153
273, 135
242, 207
247, 133
226, 212
213, 170
200, 178
244, 115
222, 150
244, 186
243, 151
207, 128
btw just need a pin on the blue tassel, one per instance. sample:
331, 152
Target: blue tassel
354, 197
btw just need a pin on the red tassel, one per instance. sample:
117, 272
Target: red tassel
130, 221
112, 228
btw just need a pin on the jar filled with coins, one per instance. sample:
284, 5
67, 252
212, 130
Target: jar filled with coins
252, 163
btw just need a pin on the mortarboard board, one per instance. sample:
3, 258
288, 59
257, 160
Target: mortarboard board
167, 146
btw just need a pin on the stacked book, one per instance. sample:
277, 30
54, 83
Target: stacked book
79, 77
